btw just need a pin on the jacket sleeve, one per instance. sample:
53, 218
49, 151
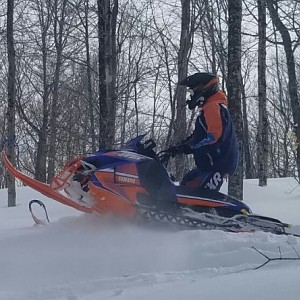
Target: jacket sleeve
212, 115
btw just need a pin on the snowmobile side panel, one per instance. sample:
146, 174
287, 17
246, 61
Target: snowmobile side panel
43, 188
109, 197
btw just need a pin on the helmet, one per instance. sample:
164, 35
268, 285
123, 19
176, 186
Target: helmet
201, 86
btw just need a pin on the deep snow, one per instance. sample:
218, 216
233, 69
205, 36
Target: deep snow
90, 257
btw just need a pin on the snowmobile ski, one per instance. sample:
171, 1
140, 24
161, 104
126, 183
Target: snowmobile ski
41, 187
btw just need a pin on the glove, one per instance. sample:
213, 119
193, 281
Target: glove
210, 138
180, 149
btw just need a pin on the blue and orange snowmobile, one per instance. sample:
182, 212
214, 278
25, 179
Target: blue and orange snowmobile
133, 182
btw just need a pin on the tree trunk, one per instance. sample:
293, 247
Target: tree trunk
249, 172
262, 135
292, 85
11, 99
89, 79
234, 83
58, 37
180, 95
41, 157
107, 18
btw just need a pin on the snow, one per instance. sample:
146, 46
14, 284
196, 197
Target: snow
79, 256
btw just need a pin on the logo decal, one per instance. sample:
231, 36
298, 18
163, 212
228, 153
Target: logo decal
215, 181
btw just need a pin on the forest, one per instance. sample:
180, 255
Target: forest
79, 75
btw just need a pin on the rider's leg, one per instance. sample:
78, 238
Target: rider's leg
205, 179
194, 178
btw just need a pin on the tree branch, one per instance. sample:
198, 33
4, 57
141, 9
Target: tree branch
280, 257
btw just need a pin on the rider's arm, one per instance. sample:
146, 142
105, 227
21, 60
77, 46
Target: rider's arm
212, 115
213, 120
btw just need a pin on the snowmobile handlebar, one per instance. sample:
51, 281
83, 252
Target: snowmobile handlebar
165, 155
147, 148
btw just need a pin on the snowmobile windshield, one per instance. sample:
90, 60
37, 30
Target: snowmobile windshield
133, 144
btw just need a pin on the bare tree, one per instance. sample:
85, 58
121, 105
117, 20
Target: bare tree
83, 12
11, 99
107, 20
41, 156
248, 155
282, 136
234, 83
59, 23
180, 95
290, 61
262, 135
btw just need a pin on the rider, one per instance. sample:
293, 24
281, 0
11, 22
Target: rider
213, 141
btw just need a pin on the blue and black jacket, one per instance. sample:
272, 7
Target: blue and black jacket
214, 126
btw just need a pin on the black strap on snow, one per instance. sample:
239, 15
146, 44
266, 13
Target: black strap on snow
41, 204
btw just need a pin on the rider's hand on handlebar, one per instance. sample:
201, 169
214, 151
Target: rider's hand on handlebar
179, 149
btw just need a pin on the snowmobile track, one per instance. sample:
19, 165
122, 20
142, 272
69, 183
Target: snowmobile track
206, 221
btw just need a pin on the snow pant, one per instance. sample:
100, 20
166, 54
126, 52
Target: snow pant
205, 179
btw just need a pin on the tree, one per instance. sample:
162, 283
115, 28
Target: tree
262, 135
248, 155
85, 23
291, 67
11, 101
107, 21
282, 137
183, 59
41, 156
59, 24
234, 84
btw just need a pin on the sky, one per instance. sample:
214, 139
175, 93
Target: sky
81, 256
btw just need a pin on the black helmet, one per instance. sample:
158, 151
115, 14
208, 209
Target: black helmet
202, 85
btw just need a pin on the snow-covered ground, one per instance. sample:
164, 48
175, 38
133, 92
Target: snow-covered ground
89, 257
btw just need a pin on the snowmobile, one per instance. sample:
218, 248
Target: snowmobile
133, 182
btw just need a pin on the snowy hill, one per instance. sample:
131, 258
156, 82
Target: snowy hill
89, 257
